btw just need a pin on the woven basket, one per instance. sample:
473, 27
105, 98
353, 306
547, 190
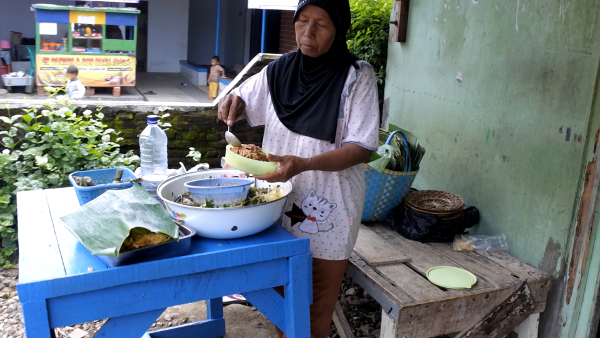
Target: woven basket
386, 190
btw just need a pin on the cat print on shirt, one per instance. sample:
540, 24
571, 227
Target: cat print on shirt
317, 211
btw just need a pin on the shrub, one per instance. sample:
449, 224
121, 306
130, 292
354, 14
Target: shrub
368, 35
40, 149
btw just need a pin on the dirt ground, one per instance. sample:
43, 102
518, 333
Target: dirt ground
240, 321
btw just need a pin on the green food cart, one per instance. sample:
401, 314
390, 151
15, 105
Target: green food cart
100, 41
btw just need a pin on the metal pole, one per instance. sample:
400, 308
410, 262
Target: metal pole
264, 31
218, 23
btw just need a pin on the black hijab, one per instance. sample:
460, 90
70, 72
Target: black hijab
306, 92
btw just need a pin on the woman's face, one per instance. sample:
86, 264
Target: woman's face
315, 31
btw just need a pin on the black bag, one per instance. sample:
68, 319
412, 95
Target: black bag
429, 228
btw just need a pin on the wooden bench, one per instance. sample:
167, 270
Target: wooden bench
393, 269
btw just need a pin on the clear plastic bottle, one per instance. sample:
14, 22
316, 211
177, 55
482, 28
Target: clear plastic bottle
153, 155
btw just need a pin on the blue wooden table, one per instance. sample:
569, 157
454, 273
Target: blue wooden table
61, 284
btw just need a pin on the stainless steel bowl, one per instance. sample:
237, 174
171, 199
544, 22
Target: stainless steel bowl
223, 223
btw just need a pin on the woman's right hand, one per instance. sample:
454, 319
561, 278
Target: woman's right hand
231, 109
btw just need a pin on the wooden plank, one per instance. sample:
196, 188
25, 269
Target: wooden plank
387, 295
211, 328
162, 293
520, 269
397, 295
341, 323
375, 250
422, 258
496, 277
75, 257
515, 308
539, 282
39, 253
415, 285
430, 319
130, 326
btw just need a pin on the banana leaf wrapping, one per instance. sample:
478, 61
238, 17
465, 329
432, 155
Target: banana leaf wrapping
396, 163
103, 224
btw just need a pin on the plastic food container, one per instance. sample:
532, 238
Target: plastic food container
154, 253
219, 190
221, 223
248, 165
10, 81
103, 179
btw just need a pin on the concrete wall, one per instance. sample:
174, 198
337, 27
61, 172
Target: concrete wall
167, 34
500, 94
16, 16
203, 29
202, 32
232, 37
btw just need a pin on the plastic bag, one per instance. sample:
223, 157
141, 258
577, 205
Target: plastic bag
479, 243
383, 156
421, 227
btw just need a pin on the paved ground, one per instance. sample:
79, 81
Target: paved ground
167, 88
152, 87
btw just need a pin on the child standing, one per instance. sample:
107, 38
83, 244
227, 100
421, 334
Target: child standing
216, 71
75, 88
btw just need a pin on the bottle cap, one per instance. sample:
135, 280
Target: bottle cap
152, 119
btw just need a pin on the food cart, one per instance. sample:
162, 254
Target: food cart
101, 42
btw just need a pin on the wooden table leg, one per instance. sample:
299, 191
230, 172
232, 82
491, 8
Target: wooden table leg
214, 311
341, 323
298, 295
130, 326
35, 316
530, 327
388, 326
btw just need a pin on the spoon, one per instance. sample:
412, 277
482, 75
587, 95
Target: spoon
231, 139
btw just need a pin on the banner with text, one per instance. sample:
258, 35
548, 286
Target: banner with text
94, 70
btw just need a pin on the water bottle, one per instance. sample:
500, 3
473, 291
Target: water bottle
153, 154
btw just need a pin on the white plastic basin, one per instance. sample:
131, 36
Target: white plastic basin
225, 223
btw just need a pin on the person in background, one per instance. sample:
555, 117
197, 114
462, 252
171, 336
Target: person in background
75, 88
216, 72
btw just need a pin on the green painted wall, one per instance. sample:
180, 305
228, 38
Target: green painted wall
500, 93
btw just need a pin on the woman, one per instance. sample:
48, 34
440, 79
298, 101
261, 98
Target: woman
319, 106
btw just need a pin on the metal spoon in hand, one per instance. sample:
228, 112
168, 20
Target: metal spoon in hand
231, 139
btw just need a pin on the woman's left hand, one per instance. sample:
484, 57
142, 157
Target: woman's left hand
289, 166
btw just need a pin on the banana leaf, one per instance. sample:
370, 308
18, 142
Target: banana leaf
103, 224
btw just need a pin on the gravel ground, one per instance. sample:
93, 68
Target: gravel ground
360, 309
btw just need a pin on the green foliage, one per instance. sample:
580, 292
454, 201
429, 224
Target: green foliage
41, 147
195, 155
368, 35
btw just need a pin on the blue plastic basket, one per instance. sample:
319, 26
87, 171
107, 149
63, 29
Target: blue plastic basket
386, 190
103, 179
